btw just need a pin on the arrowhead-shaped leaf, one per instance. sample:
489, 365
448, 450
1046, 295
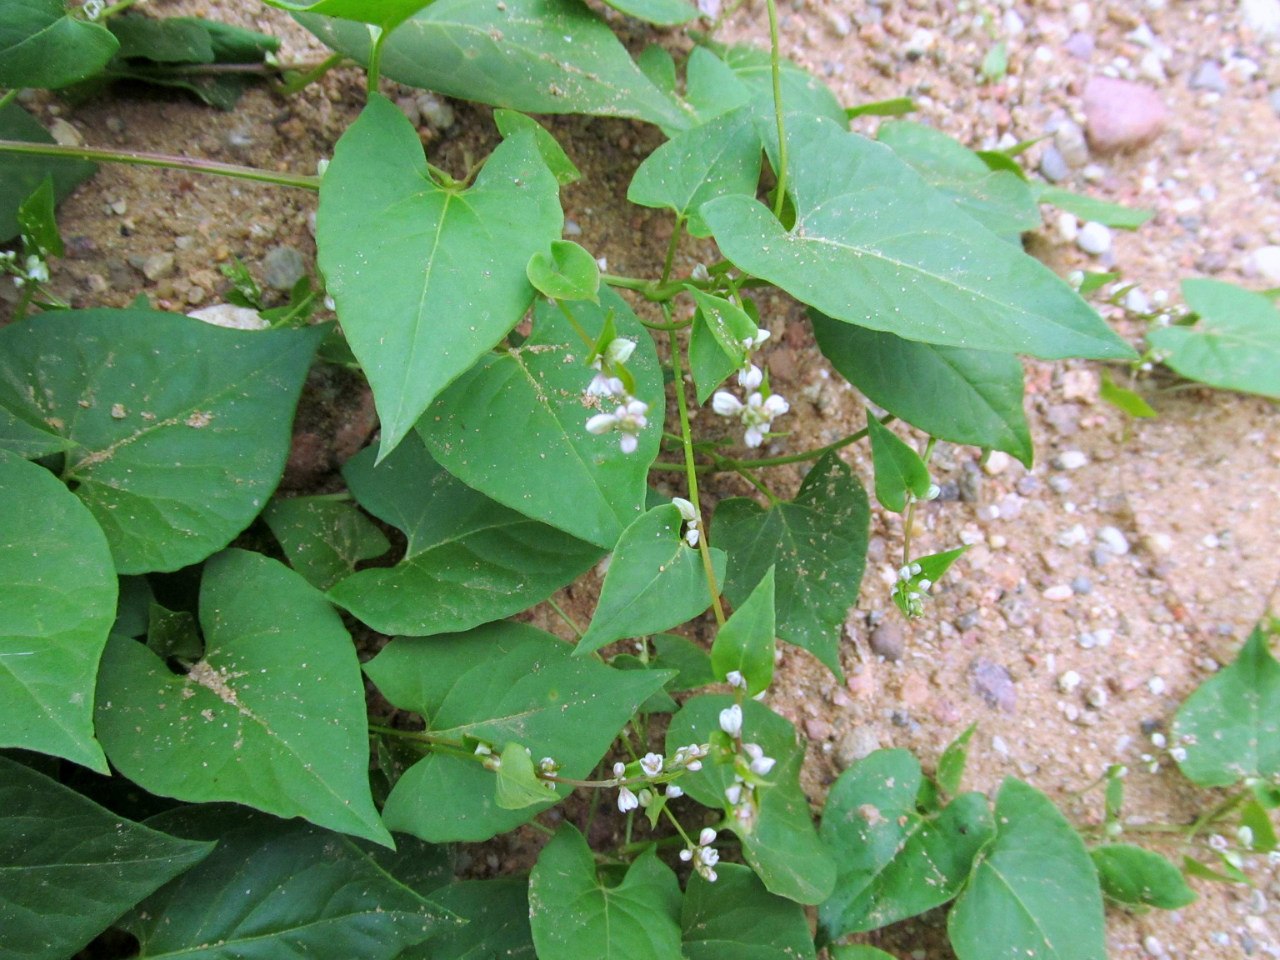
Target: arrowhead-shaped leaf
1034, 891
501, 683
427, 277
55, 841
574, 915
874, 245
1141, 878
497, 923
539, 56
965, 396
655, 581
818, 543
273, 716
892, 862
736, 918
1234, 345
180, 429
899, 470
781, 844
384, 13
1230, 726
745, 643
469, 560
57, 603
324, 539
514, 426
288, 891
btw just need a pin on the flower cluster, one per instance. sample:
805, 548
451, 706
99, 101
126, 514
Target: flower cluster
750, 767
692, 522
32, 270
703, 856
630, 415
757, 414
910, 589
656, 767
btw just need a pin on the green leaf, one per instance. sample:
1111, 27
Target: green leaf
1228, 872
818, 543
932, 568
859, 952
780, 843
736, 918
659, 66
497, 923
468, 560
574, 914
501, 683
43, 46
21, 175
569, 272
427, 277
38, 222
173, 633
1122, 398
514, 426
1230, 726
874, 245
708, 362
518, 783
965, 396
1001, 201
892, 862
953, 761
899, 470
1254, 815
1091, 208
52, 839
384, 13
746, 642
996, 63
1139, 877
57, 603
1034, 892
718, 158
278, 690
1235, 344
690, 661
324, 539
511, 122
894, 107
277, 889
655, 581
171, 40
180, 429
537, 56
801, 90
664, 13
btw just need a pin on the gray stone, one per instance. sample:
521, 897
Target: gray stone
887, 640
1265, 261
283, 267
1070, 460
1081, 586
1080, 46
992, 682
436, 111
1122, 115
157, 266
1208, 76
1113, 540
1094, 238
1052, 166
1071, 143
231, 316
858, 743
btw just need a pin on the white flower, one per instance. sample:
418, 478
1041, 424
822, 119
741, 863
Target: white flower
707, 836
735, 679
548, 765
693, 525
627, 801
686, 508
731, 720
619, 350
704, 861
605, 386
726, 404
674, 792
693, 766
757, 414
700, 272
750, 377
37, 270
628, 419
733, 793
686, 854
619, 770
755, 342
651, 764
93, 9
322, 166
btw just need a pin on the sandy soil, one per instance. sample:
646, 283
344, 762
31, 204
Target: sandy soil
1194, 494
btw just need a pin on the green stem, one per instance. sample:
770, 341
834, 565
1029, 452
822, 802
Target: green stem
299, 82
910, 518
691, 472
9, 97
725, 464
668, 327
775, 59
653, 290
751, 478
671, 250
375, 60
165, 161
565, 617
573, 322
120, 7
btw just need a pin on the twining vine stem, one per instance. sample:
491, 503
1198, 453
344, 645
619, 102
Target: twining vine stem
775, 60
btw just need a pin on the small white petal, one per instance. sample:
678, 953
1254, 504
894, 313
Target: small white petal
620, 350
731, 720
673, 792
776, 405
762, 766
735, 679
691, 536
601, 423
651, 764
733, 793
627, 801
686, 854
685, 507
753, 750
693, 766
751, 377
753, 437
726, 404
619, 769
707, 836
628, 442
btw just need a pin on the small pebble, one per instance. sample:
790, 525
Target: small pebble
157, 266
1087, 640
1274, 99
1080, 46
1208, 76
283, 267
1067, 227
572, 228
1059, 484
1100, 556
992, 682
887, 640
1052, 166
1058, 592
997, 463
1261, 16
1096, 697
1265, 262
1068, 681
1082, 586
1153, 946
1069, 139
919, 43
1094, 238
436, 111
1122, 115
1072, 537
1113, 540
1156, 685
1070, 460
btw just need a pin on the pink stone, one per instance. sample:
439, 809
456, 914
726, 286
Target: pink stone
1120, 115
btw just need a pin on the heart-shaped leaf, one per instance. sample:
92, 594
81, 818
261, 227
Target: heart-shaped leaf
892, 862
874, 245
468, 561
899, 470
1034, 891
180, 429
324, 539
514, 426
383, 13
1230, 726
745, 644
568, 272
574, 915
1140, 878
965, 396
278, 690
57, 603
54, 839
538, 56
43, 46
427, 276
499, 684
655, 581
497, 923
818, 543
279, 890
736, 918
